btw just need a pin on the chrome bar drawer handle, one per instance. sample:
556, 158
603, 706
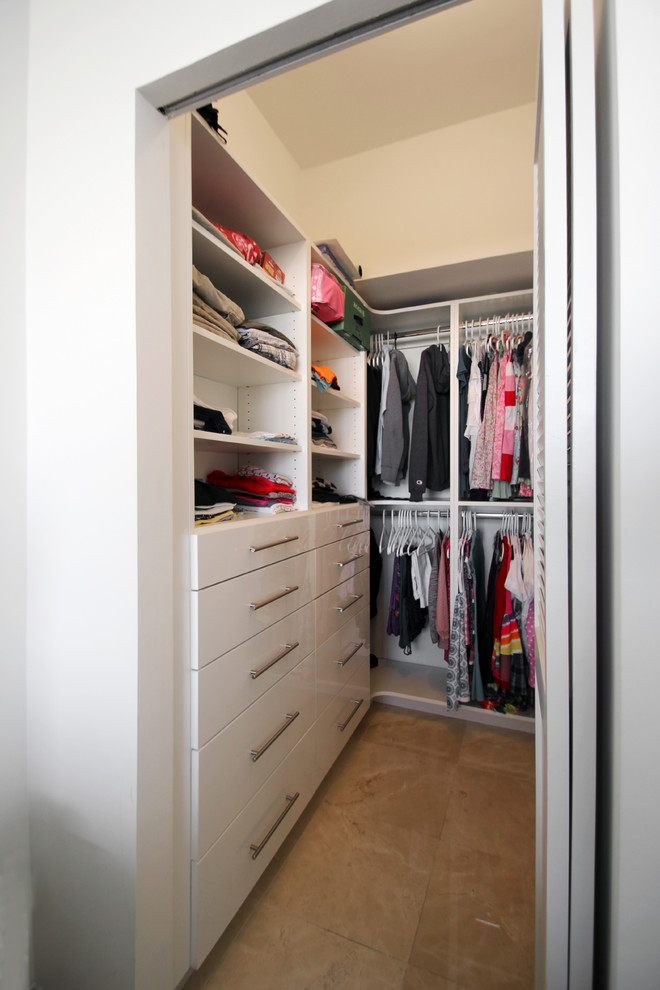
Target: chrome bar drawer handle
271, 663
343, 608
358, 646
288, 719
277, 543
351, 522
290, 801
358, 704
267, 601
351, 560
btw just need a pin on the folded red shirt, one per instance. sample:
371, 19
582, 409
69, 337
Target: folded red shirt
254, 484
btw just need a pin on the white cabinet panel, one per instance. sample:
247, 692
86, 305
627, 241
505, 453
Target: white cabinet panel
338, 606
224, 688
338, 721
245, 546
336, 562
224, 877
230, 768
340, 656
233, 611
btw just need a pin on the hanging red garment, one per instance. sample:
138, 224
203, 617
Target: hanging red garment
508, 436
499, 611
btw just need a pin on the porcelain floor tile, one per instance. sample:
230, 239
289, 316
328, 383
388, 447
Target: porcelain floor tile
502, 750
394, 786
356, 877
275, 951
421, 979
417, 732
477, 924
492, 812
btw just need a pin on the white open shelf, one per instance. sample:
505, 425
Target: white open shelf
326, 344
224, 192
250, 286
239, 443
331, 452
222, 360
332, 399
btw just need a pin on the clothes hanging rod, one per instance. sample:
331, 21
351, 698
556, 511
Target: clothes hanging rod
492, 321
524, 507
500, 515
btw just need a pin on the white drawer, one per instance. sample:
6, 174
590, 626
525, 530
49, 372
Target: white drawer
338, 721
337, 606
230, 768
340, 656
339, 521
225, 876
243, 546
224, 688
229, 613
336, 562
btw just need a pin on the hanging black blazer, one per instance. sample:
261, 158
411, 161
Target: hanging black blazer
429, 443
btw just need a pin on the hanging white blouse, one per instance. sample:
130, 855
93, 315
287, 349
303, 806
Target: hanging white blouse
474, 406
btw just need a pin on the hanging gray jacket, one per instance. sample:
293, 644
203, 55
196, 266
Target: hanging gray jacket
429, 445
396, 427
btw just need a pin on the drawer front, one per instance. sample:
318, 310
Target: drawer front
224, 688
344, 520
229, 769
337, 607
240, 547
230, 613
336, 562
225, 876
339, 657
338, 721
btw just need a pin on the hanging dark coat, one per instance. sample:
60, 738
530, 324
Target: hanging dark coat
429, 443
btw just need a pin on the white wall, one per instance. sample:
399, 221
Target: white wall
14, 851
98, 678
628, 895
457, 194
254, 143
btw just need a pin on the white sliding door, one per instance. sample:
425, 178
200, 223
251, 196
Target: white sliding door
565, 299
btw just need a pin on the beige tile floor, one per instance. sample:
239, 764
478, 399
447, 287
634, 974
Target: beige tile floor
412, 869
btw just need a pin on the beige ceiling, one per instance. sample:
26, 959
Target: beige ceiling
474, 59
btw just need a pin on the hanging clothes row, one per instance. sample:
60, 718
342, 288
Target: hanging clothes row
495, 375
420, 576
491, 649
394, 451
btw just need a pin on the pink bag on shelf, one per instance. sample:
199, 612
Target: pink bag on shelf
327, 295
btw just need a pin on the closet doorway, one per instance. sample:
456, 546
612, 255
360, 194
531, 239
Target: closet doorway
478, 268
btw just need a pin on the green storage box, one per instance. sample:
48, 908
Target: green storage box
356, 324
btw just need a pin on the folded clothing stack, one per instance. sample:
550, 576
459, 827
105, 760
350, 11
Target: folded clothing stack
325, 491
255, 490
269, 342
212, 420
213, 310
209, 507
324, 377
273, 437
321, 431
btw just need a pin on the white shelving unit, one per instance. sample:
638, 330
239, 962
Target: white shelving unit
272, 620
344, 409
419, 681
265, 395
